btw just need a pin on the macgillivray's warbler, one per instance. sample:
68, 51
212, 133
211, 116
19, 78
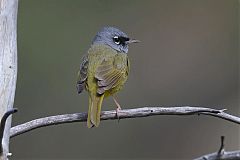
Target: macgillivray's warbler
104, 70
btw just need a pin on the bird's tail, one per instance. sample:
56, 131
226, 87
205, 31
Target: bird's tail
94, 110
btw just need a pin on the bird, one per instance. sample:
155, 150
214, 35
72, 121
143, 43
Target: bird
104, 70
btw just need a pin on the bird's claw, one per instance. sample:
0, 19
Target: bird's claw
117, 113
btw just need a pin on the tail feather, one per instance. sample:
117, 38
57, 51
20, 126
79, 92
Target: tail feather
94, 111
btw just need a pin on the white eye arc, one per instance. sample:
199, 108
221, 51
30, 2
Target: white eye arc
116, 40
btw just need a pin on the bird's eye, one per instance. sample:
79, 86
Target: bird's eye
116, 40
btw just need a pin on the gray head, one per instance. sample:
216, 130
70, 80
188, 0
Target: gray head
114, 38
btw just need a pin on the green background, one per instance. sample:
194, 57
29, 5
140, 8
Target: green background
188, 55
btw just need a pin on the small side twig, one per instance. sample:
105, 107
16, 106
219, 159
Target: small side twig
3, 122
221, 149
221, 154
126, 113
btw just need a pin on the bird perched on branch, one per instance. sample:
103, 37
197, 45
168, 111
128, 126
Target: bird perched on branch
104, 70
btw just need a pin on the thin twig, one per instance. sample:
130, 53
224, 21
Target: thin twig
221, 154
234, 155
221, 149
225, 116
3, 122
126, 113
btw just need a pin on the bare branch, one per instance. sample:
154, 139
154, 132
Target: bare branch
234, 155
221, 154
8, 66
221, 149
225, 116
2, 125
126, 113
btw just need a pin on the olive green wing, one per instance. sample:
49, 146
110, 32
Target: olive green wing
110, 73
82, 74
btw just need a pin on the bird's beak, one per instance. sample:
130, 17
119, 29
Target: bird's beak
133, 41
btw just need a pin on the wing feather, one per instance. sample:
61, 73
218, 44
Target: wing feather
82, 74
109, 75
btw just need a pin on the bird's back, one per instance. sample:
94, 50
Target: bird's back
107, 65
104, 70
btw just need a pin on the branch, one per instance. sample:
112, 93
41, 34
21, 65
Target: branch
126, 113
221, 149
2, 125
8, 66
226, 156
221, 154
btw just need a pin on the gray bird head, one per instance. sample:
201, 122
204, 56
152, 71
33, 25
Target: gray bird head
114, 38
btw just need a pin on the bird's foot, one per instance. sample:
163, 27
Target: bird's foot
117, 109
117, 113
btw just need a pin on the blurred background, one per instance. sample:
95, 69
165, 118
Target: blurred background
188, 55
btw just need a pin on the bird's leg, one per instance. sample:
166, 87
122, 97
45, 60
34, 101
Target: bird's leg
118, 107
